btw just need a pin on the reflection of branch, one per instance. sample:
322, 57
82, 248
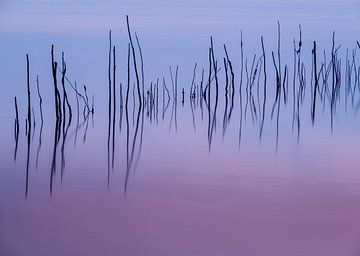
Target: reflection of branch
34, 123
201, 96
40, 98
42, 121
294, 85
277, 100
264, 100
209, 92
232, 83
240, 89
141, 139
77, 114
63, 149
86, 127
53, 162
213, 125
130, 157
29, 124
285, 84
87, 102
278, 85
56, 90
316, 82
226, 97
192, 103
57, 133
121, 107
109, 111
209, 81
157, 100
165, 106
76, 91
16, 129
174, 91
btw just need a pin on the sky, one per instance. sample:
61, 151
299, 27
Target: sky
92, 16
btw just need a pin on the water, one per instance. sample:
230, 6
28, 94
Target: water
184, 180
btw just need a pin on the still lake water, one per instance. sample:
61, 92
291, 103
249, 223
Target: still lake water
185, 180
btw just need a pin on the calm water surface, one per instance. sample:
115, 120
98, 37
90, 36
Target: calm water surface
180, 178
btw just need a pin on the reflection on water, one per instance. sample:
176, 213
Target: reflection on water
262, 98
325, 83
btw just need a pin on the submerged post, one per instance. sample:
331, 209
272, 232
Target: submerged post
28, 92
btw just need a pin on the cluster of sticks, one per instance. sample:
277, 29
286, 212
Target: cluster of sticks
325, 85
63, 114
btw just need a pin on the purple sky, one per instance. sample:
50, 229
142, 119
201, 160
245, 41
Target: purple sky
93, 16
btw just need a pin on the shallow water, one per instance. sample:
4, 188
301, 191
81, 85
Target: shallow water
184, 180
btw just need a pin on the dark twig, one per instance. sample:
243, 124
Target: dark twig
109, 111
134, 59
142, 64
114, 107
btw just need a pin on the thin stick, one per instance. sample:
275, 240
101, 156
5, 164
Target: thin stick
142, 64
134, 59
40, 98
279, 54
77, 93
65, 100
77, 114
56, 92
28, 92
29, 124
128, 78
16, 119
114, 106
193, 81
316, 84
